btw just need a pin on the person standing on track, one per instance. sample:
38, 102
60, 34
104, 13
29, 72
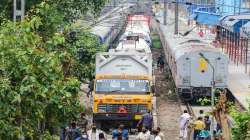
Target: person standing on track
93, 133
207, 122
91, 86
184, 121
102, 137
156, 135
74, 132
160, 63
160, 133
144, 135
120, 134
146, 121
83, 121
202, 113
198, 126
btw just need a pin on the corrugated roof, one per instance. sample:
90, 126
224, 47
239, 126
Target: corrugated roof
207, 18
245, 30
234, 22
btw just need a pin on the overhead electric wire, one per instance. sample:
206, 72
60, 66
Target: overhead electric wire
107, 20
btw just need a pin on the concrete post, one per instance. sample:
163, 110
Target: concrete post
176, 16
18, 12
165, 12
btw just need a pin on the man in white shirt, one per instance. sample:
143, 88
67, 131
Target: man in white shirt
160, 133
144, 135
184, 120
93, 134
156, 134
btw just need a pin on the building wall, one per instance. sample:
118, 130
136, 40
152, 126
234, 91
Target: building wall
246, 4
232, 6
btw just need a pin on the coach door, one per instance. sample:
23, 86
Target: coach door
186, 72
201, 72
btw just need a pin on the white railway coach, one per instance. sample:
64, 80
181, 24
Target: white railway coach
195, 65
109, 27
136, 35
139, 32
141, 22
136, 44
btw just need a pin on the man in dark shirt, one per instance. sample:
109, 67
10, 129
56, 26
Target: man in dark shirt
83, 121
91, 86
146, 121
74, 132
160, 63
207, 122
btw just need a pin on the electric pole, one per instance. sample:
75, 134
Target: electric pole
114, 3
165, 13
18, 9
176, 16
234, 6
240, 6
18, 14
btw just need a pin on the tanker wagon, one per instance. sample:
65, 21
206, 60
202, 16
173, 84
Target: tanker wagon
123, 87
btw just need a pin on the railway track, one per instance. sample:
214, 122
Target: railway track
189, 109
194, 109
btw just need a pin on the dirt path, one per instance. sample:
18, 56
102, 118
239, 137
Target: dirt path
167, 102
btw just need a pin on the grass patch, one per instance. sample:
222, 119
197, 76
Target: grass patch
156, 43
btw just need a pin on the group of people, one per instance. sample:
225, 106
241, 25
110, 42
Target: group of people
76, 133
147, 133
201, 126
79, 131
121, 133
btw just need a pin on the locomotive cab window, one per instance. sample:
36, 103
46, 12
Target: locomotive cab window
122, 86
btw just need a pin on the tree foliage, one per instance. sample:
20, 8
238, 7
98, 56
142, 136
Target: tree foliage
43, 60
241, 127
70, 9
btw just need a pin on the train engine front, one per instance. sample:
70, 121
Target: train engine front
199, 68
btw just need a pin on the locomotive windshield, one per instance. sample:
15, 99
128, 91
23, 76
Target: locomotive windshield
122, 86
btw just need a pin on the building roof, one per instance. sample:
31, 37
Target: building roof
234, 22
245, 30
207, 18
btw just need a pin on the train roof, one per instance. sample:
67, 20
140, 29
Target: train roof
104, 27
190, 46
140, 45
138, 27
107, 22
146, 38
180, 44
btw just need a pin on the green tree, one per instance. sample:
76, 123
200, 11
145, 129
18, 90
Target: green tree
34, 90
71, 10
43, 59
241, 127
